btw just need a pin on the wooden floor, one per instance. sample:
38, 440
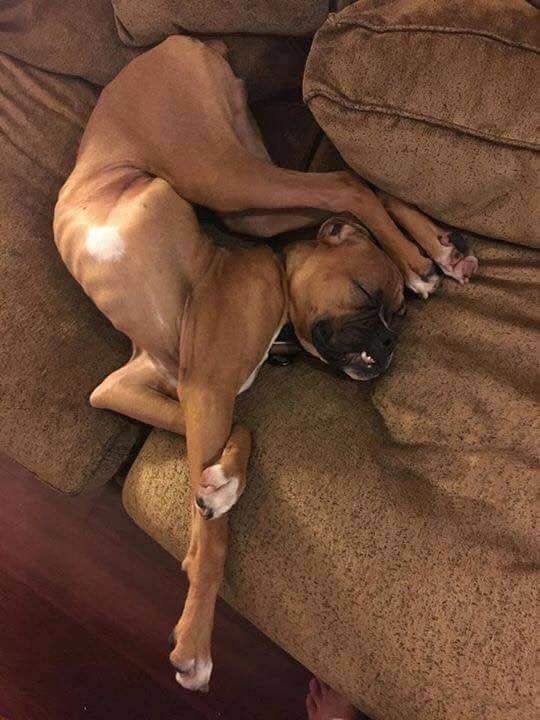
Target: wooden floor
87, 601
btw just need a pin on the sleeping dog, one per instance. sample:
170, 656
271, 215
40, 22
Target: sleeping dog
173, 130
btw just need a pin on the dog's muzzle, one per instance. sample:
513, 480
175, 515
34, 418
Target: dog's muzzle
375, 358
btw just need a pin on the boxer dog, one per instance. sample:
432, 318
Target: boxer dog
172, 130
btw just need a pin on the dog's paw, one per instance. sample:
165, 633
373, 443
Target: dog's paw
217, 492
464, 268
193, 664
423, 284
452, 260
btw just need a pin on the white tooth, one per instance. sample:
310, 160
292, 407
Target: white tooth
367, 358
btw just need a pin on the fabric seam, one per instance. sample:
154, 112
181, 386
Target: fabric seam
343, 22
392, 111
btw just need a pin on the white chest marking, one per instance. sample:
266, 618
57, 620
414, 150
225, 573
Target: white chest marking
251, 378
104, 243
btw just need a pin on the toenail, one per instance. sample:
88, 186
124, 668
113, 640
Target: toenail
459, 240
206, 511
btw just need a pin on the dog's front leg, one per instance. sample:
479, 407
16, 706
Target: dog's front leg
228, 326
218, 464
445, 247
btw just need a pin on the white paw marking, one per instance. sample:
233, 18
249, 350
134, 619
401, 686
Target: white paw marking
196, 676
104, 243
224, 493
424, 288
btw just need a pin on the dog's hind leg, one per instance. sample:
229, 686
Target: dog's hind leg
135, 390
441, 245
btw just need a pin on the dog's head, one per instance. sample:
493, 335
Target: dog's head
344, 294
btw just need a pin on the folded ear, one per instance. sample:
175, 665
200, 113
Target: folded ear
337, 229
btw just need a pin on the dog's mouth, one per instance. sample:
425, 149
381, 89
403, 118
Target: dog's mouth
363, 366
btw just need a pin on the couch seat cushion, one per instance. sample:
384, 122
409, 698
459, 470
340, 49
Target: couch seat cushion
386, 538
56, 347
435, 103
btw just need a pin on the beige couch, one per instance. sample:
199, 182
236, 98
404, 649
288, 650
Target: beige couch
386, 538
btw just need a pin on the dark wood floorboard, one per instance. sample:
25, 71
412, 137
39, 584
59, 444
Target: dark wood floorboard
87, 602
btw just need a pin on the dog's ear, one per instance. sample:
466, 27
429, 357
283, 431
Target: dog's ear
337, 229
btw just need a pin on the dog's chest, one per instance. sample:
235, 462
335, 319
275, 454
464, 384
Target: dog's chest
251, 379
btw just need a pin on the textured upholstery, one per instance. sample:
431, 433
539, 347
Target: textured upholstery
56, 347
73, 37
437, 103
79, 38
143, 23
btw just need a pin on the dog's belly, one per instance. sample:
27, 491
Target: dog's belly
124, 245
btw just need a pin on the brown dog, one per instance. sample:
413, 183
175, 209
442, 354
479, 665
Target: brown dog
171, 130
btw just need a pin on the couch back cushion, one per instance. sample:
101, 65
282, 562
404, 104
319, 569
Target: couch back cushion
79, 38
71, 37
141, 23
435, 103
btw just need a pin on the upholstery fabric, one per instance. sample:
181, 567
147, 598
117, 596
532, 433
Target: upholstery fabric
79, 38
73, 37
437, 103
143, 23
55, 346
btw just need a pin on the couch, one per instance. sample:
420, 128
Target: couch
387, 535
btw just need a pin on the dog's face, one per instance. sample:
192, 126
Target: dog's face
344, 294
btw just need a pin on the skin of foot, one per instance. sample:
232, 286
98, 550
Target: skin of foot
323, 703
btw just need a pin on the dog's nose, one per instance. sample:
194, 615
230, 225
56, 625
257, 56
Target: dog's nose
386, 338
